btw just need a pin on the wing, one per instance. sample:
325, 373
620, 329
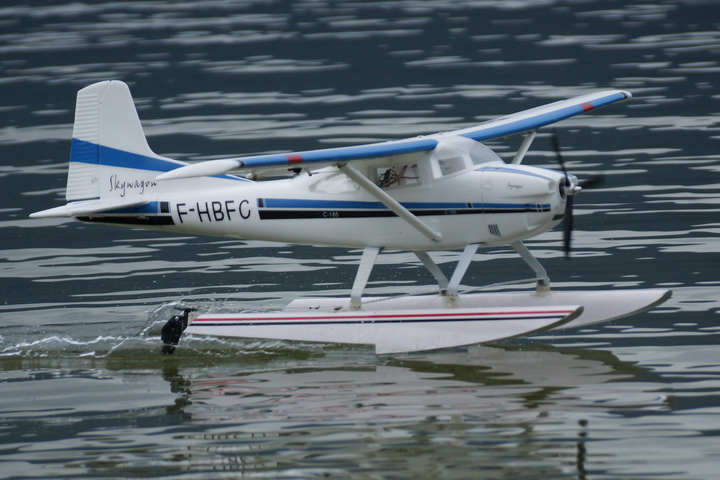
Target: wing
524, 121
314, 158
535, 118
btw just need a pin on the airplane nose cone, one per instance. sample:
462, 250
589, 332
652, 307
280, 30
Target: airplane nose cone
571, 186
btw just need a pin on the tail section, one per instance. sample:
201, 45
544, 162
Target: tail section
107, 140
111, 164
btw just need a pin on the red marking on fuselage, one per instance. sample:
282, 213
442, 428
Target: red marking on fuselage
587, 107
294, 158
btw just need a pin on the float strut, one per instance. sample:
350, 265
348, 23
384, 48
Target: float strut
453, 298
542, 282
435, 270
366, 264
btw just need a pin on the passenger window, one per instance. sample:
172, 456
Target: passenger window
397, 176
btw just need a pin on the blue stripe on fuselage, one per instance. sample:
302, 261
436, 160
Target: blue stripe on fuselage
304, 204
150, 208
517, 172
349, 204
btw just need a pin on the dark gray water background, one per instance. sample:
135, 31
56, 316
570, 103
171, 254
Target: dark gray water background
83, 391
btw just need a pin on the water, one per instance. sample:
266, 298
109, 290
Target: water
85, 393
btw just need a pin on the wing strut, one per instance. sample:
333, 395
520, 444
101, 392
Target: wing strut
390, 202
524, 147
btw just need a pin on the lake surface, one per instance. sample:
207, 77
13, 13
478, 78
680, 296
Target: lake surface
85, 393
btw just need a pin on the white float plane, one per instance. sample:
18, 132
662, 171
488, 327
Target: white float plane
445, 191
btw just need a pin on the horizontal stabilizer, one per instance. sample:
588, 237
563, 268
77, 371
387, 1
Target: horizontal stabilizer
202, 169
76, 209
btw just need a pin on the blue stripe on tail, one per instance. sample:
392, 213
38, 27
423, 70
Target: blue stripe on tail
90, 153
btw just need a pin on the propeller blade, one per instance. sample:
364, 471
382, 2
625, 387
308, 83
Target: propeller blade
568, 225
591, 182
568, 218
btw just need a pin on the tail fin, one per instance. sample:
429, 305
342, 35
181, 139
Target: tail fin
107, 136
111, 164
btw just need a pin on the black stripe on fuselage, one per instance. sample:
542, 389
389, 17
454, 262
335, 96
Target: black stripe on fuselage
267, 214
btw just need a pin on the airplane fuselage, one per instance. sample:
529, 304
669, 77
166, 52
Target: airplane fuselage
489, 203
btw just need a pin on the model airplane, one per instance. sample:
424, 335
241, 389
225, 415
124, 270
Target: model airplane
445, 191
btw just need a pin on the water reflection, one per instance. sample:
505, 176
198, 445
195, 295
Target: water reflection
349, 417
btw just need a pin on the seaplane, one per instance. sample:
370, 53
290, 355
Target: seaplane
441, 192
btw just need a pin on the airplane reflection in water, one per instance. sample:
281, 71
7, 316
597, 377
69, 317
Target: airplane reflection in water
508, 401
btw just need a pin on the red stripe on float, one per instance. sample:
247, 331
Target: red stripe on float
294, 158
440, 316
587, 107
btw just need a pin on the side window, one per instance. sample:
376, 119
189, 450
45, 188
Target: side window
451, 165
397, 176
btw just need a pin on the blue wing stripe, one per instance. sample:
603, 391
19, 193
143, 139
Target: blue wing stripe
374, 150
496, 128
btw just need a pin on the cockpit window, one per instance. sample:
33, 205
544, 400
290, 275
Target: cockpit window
480, 153
455, 156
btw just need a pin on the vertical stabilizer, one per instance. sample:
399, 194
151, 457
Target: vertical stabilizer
118, 121
108, 139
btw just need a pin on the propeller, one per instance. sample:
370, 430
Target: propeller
570, 191
571, 187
